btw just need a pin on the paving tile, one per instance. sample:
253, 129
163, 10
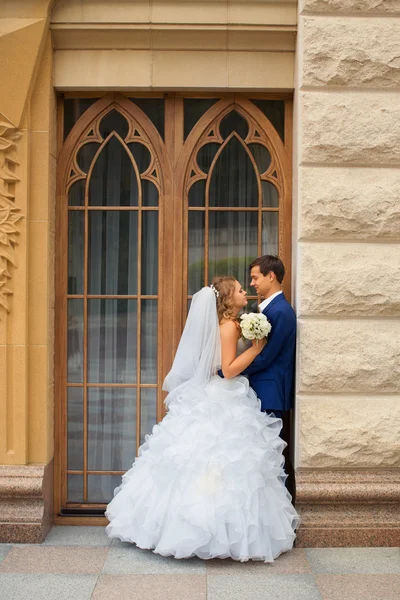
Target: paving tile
61, 535
153, 587
340, 561
54, 559
49, 587
129, 560
4, 550
261, 587
359, 587
294, 561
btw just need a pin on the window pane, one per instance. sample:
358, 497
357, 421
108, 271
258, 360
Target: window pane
148, 411
270, 230
101, 487
112, 341
206, 155
274, 110
194, 109
154, 109
196, 194
114, 121
113, 181
149, 252
270, 195
233, 122
149, 193
113, 252
75, 488
233, 179
86, 154
195, 251
73, 110
232, 244
148, 343
75, 341
261, 156
76, 240
142, 156
111, 428
75, 428
76, 194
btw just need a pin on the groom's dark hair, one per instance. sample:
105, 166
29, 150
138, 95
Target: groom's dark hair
270, 263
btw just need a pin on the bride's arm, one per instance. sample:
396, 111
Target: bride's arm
233, 365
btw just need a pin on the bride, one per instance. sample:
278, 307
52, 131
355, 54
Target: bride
209, 480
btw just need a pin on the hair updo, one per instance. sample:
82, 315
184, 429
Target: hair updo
225, 286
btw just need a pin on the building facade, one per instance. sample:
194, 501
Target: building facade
146, 146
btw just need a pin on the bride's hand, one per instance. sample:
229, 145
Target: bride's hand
258, 345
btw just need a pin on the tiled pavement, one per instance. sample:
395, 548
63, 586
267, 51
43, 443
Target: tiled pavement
80, 563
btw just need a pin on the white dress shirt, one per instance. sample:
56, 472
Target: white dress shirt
264, 303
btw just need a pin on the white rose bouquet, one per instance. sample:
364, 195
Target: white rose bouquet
255, 326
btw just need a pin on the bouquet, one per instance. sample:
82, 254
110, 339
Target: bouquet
255, 326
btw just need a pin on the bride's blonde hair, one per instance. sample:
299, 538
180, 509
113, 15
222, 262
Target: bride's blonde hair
225, 287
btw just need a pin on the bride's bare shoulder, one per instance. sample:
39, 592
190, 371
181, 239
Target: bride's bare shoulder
229, 328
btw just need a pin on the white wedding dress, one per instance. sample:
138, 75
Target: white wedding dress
209, 480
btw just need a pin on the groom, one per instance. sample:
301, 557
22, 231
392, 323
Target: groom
271, 374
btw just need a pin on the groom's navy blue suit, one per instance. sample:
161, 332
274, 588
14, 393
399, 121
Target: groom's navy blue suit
271, 374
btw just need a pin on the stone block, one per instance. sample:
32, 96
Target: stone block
349, 431
349, 356
176, 11
349, 203
355, 128
360, 52
349, 279
189, 69
350, 6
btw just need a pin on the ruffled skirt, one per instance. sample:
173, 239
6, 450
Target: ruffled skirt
209, 481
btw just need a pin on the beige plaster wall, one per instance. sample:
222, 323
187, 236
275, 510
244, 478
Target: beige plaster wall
348, 239
173, 44
27, 169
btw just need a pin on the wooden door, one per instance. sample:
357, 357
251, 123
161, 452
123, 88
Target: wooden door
154, 196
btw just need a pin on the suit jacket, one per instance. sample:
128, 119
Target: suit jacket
271, 374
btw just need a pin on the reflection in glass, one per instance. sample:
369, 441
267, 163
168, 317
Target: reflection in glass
233, 178
149, 252
113, 252
154, 109
270, 233
75, 428
233, 122
112, 341
73, 110
195, 251
261, 156
232, 244
206, 155
114, 121
113, 181
149, 193
274, 110
148, 342
75, 341
86, 154
142, 156
270, 195
194, 109
111, 428
196, 194
74, 488
76, 238
148, 411
101, 487
76, 194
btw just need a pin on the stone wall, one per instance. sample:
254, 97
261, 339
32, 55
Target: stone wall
348, 257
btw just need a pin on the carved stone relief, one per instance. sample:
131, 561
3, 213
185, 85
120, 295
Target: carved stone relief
9, 212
